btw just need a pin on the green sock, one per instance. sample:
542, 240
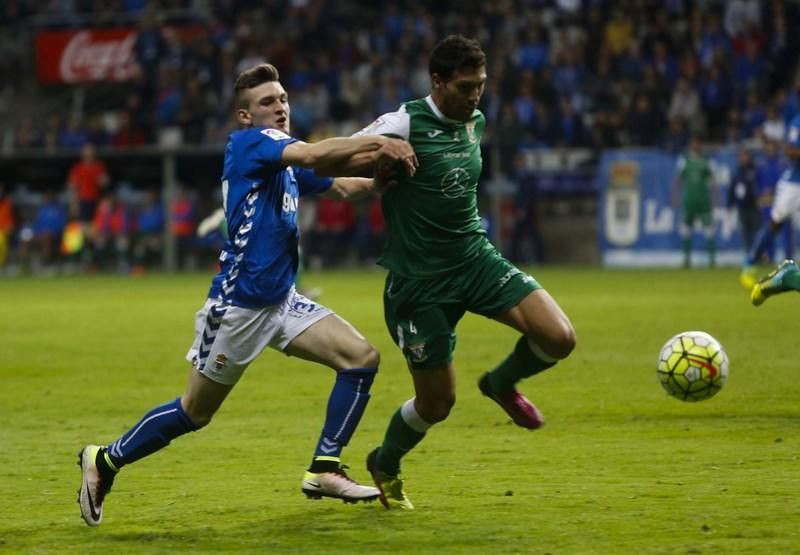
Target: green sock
520, 364
686, 245
400, 439
791, 280
711, 246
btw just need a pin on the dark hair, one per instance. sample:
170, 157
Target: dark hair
253, 77
454, 53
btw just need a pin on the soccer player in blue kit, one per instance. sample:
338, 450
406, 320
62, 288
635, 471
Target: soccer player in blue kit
786, 277
253, 303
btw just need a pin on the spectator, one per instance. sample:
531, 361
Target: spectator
111, 233
774, 127
7, 224
332, 232
41, 241
618, 33
740, 15
685, 106
570, 128
184, 216
87, 178
192, 112
126, 135
755, 114
149, 237
526, 239
715, 97
73, 136
645, 126
742, 197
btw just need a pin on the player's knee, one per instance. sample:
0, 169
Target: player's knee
363, 356
200, 416
436, 410
560, 341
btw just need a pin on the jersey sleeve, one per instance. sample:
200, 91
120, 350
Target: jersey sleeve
259, 148
309, 183
393, 124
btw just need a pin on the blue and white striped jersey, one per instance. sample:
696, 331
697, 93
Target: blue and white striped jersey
260, 197
793, 138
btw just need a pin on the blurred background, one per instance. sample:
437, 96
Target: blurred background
114, 114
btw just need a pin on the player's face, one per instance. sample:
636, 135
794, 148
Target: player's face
268, 107
459, 96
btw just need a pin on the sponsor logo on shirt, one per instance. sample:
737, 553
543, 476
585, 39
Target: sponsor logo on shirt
275, 134
455, 182
435, 133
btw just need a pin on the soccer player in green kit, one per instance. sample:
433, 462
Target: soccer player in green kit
696, 180
441, 265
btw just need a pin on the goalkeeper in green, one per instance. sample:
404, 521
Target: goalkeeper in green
441, 265
694, 182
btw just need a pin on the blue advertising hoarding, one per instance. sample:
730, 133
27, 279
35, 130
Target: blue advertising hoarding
638, 223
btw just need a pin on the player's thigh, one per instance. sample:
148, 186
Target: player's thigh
539, 317
424, 331
334, 342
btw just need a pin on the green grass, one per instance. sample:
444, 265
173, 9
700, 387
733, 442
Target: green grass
619, 468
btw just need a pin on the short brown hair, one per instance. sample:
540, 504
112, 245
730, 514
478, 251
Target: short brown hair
253, 77
456, 52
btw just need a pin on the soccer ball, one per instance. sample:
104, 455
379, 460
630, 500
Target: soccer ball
692, 366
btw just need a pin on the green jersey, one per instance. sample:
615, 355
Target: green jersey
433, 227
695, 173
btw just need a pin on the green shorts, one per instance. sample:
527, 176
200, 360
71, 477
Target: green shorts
422, 314
697, 212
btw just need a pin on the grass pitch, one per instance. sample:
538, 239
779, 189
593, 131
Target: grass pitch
619, 468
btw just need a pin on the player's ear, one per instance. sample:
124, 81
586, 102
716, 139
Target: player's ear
244, 117
436, 81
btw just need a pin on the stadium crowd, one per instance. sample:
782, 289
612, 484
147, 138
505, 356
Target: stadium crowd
562, 73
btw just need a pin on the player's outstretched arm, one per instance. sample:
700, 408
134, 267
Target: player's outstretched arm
354, 188
329, 153
351, 188
393, 152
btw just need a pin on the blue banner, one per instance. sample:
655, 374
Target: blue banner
638, 223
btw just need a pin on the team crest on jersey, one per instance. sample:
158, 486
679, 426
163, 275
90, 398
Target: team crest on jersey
220, 361
275, 134
473, 138
417, 352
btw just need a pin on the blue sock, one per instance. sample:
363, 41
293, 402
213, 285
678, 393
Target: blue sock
760, 243
153, 432
346, 405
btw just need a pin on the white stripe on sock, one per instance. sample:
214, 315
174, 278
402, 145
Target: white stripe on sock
145, 421
539, 352
350, 410
412, 417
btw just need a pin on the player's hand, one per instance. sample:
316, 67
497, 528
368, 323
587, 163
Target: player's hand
398, 150
387, 174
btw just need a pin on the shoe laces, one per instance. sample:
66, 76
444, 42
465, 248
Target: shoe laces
340, 471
